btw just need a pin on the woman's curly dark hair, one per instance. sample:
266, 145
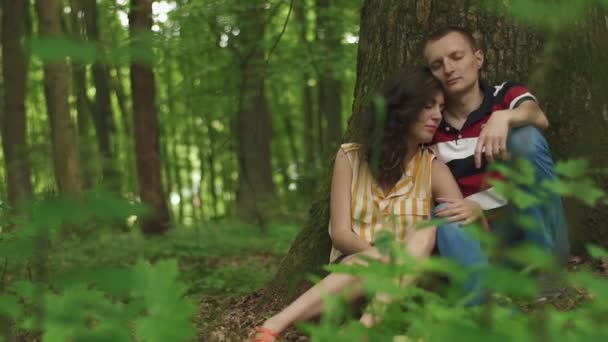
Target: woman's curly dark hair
396, 109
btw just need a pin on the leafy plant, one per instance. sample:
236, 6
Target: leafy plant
144, 301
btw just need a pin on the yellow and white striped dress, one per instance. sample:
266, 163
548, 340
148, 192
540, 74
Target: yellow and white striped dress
405, 205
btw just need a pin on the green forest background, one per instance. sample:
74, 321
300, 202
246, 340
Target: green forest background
189, 144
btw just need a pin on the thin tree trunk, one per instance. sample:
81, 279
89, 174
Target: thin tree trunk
103, 115
215, 198
196, 208
168, 132
207, 211
14, 125
256, 190
129, 177
330, 86
63, 135
178, 178
83, 104
121, 99
289, 154
145, 124
309, 137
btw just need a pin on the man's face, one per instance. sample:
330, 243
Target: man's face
453, 61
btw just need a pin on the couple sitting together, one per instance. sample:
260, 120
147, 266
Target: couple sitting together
442, 126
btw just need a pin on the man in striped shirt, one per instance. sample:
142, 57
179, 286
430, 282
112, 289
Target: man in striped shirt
482, 124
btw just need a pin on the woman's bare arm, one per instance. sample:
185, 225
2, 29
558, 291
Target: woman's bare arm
446, 190
342, 236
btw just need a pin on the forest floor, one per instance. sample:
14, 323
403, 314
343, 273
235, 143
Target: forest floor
220, 263
225, 266
232, 318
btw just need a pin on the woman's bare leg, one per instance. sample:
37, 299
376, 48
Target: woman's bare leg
419, 245
310, 303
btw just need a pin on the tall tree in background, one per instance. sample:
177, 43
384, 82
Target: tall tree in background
145, 123
392, 34
256, 190
102, 111
308, 141
14, 127
328, 35
56, 73
83, 103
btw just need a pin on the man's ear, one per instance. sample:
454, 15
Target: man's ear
479, 58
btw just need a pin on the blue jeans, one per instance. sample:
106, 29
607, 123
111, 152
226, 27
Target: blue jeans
549, 232
460, 246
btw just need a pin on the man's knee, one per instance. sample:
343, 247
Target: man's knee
527, 142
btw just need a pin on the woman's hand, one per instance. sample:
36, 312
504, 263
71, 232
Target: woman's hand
459, 210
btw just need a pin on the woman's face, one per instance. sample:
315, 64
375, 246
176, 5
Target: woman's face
428, 121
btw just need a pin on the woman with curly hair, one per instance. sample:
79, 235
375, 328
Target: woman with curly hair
387, 180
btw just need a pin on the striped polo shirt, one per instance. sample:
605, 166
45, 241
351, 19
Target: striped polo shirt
456, 148
399, 210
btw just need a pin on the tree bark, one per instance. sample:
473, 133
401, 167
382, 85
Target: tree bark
211, 160
14, 125
102, 114
309, 137
169, 133
83, 104
145, 124
328, 35
573, 94
392, 34
256, 190
63, 135
129, 177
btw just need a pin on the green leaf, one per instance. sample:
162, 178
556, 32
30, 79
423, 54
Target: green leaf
510, 282
530, 255
573, 168
524, 199
26, 290
597, 252
383, 241
9, 306
51, 49
169, 313
17, 248
563, 13
430, 223
584, 190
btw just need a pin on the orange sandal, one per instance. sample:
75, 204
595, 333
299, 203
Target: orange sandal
265, 335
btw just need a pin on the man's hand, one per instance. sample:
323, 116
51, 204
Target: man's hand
493, 138
458, 210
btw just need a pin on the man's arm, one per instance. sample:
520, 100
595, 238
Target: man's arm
527, 113
493, 138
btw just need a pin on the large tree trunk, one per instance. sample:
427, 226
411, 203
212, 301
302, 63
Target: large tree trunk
145, 124
14, 128
256, 190
102, 113
574, 95
391, 37
56, 73
328, 35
